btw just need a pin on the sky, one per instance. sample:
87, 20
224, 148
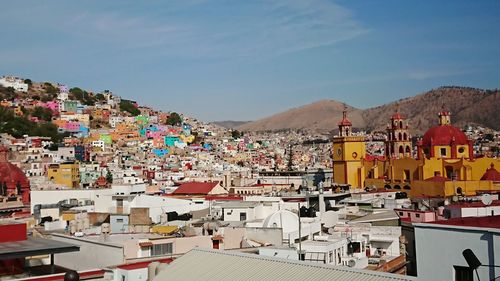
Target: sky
245, 60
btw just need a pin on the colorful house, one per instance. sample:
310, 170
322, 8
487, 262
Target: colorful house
67, 174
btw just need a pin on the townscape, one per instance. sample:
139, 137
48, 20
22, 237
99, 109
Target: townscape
109, 189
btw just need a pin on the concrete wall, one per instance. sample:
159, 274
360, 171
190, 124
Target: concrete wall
440, 248
91, 255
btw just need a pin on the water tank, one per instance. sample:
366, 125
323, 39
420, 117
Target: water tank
330, 218
105, 228
161, 267
72, 226
79, 225
152, 270
440, 210
86, 223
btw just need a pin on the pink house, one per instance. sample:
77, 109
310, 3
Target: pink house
416, 215
52, 105
154, 135
72, 126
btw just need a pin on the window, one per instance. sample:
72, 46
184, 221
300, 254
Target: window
443, 151
461, 150
400, 213
119, 220
243, 216
161, 249
463, 273
417, 215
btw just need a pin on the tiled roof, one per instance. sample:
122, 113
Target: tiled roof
195, 188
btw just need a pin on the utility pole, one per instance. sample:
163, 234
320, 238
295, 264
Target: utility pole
300, 233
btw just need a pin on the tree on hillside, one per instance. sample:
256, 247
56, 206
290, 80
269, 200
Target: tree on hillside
100, 97
174, 119
129, 107
28, 81
42, 113
235, 134
109, 177
77, 93
49, 88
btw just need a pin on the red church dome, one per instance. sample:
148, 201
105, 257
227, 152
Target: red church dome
444, 135
12, 176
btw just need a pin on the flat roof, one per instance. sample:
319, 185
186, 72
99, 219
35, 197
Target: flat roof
34, 247
484, 222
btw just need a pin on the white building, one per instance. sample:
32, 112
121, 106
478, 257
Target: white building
14, 82
440, 247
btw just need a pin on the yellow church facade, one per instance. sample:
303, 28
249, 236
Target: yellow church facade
443, 167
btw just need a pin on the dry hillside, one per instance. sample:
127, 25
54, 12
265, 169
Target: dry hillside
320, 116
467, 105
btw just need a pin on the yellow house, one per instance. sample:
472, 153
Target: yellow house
67, 174
444, 167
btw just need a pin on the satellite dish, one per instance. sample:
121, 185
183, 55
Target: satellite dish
486, 199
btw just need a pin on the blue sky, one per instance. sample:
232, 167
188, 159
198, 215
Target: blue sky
243, 60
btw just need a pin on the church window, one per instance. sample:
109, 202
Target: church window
405, 136
461, 150
401, 149
443, 151
400, 136
401, 124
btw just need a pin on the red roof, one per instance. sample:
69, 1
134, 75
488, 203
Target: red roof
444, 135
195, 188
488, 222
11, 175
144, 264
491, 174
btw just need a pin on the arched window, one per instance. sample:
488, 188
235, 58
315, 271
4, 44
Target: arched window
459, 190
405, 136
400, 136
400, 124
401, 149
408, 150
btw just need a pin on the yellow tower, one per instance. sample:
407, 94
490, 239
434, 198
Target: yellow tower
348, 152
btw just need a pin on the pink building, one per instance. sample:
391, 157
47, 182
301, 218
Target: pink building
72, 126
416, 215
52, 105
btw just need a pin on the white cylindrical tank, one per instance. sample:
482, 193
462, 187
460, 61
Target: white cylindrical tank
72, 226
105, 228
161, 267
79, 225
330, 218
86, 223
152, 270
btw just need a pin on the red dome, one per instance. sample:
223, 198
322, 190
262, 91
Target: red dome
491, 174
11, 175
444, 135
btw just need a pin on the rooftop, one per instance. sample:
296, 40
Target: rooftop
223, 265
483, 222
34, 247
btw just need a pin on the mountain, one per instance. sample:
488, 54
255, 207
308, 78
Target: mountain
467, 105
319, 116
229, 124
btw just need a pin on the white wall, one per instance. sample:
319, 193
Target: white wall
159, 205
440, 248
91, 255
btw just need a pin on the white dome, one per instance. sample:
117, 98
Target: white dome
283, 219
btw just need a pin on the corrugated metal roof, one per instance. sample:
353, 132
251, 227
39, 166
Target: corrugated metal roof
200, 264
